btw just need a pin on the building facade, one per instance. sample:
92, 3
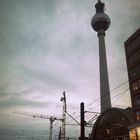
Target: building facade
132, 50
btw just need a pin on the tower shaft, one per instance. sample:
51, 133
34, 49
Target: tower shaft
100, 23
104, 82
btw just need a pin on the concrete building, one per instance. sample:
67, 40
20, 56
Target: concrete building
132, 50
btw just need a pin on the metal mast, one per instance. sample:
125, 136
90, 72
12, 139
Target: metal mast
100, 23
52, 119
63, 133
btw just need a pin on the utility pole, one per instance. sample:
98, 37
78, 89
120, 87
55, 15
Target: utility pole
52, 119
82, 121
59, 136
63, 133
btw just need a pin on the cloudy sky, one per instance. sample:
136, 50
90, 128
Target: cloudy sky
47, 47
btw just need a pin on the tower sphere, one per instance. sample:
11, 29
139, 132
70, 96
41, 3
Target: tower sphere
100, 20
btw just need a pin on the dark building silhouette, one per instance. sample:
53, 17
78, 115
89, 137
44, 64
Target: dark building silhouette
113, 125
132, 49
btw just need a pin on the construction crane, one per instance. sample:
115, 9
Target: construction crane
63, 133
51, 118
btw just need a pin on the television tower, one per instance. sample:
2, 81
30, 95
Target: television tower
100, 23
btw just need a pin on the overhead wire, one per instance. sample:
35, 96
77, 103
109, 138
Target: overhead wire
107, 93
56, 125
120, 94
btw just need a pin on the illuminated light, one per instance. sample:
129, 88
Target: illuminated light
107, 131
135, 86
133, 134
138, 132
138, 115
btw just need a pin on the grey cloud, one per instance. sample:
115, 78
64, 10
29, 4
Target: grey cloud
49, 45
23, 26
49, 78
21, 102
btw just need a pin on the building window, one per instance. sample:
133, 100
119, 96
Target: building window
133, 45
134, 58
132, 134
138, 132
136, 85
134, 72
136, 100
138, 115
